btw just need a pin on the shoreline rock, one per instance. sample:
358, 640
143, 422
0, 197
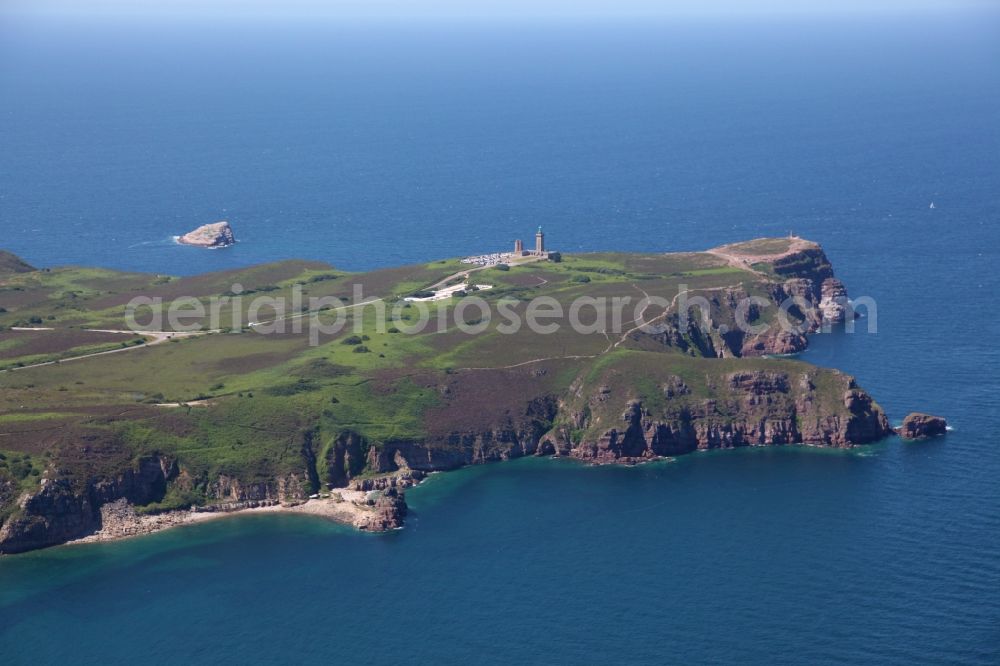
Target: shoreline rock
212, 236
918, 425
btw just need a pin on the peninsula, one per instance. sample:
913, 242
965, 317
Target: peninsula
249, 408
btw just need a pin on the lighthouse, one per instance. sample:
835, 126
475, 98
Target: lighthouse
539, 242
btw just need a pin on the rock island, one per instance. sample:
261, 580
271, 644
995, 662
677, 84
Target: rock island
212, 236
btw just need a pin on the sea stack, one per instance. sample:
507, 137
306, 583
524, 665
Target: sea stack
215, 235
920, 426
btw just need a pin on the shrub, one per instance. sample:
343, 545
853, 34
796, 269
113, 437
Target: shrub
361, 349
301, 386
323, 277
580, 278
352, 340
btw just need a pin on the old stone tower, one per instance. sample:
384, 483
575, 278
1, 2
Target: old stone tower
518, 247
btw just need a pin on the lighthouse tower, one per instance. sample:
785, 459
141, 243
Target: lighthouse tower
539, 242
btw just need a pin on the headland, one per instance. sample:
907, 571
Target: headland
262, 402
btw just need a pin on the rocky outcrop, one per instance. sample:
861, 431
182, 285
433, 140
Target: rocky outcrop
865, 422
119, 520
145, 483
803, 260
227, 507
834, 305
215, 235
345, 458
390, 510
919, 426
799, 281
405, 478
818, 296
773, 343
285, 488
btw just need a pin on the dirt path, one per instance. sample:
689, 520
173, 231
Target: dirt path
464, 274
152, 338
746, 260
299, 315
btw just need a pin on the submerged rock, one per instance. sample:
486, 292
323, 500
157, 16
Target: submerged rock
215, 235
919, 426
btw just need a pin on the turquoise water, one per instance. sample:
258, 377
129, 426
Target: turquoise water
337, 143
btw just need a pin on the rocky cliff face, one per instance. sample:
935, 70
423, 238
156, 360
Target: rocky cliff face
215, 235
753, 409
345, 459
283, 488
746, 408
801, 283
62, 510
54, 514
515, 436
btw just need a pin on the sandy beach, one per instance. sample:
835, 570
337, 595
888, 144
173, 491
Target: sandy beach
119, 519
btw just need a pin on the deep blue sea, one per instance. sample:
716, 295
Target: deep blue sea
369, 145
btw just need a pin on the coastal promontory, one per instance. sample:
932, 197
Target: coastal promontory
106, 432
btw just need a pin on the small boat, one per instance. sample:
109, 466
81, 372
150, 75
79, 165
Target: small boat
932, 205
